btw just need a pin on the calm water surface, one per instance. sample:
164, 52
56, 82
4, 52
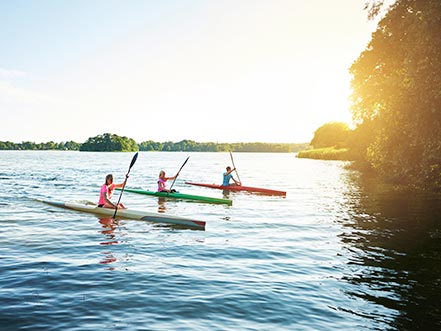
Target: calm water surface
338, 253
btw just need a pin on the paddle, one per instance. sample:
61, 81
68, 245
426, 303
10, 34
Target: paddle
125, 181
178, 174
232, 161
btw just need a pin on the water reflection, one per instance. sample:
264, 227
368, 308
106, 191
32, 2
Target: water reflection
108, 258
108, 230
393, 244
109, 225
161, 205
226, 194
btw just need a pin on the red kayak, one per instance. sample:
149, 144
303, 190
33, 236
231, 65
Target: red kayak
240, 188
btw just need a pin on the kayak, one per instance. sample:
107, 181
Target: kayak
90, 207
178, 195
240, 188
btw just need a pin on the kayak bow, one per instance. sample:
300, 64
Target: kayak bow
241, 188
90, 207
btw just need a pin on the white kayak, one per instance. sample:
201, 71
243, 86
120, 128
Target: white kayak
90, 207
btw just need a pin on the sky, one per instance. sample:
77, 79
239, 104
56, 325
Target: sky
209, 71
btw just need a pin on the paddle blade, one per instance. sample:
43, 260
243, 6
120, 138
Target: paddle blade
184, 163
135, 157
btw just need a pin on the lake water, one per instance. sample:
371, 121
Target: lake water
339, 252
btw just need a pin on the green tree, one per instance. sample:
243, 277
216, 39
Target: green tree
332, 134
71, 145
150, 145
397, 94
167, 146
109, 143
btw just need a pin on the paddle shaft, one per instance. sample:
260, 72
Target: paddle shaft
178, 173
125, 181
232, 161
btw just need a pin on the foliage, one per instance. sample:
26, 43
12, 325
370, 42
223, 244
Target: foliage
331, 134
328, 153
27, 145
111, 142
396, 100
192, 146
108, 142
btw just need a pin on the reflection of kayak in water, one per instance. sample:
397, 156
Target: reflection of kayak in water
109, 258
241, 188
109, 225
177, 195
90, 207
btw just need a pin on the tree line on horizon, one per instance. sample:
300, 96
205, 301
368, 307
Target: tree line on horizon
108, 142
50, 145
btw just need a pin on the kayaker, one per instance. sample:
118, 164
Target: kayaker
228, 176
106, 193
161, 182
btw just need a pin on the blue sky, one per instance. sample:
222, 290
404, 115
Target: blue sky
222, 71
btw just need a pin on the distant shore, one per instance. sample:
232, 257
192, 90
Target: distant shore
184, 145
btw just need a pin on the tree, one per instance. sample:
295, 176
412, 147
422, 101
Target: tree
71, 145
332, 134
150, 145
396, 85
109, 143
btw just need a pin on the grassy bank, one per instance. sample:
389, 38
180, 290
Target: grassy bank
329, 153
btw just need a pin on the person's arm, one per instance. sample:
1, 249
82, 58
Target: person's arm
122, 184
107, 200
236, 180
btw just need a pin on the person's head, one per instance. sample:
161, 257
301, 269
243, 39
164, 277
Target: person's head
161, 174
109, 179
228, 168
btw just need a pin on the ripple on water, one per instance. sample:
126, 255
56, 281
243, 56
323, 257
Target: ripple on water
328, 256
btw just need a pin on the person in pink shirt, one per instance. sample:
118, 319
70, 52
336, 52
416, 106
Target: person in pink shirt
106, 193
161, 182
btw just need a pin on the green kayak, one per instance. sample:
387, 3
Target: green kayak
178, 195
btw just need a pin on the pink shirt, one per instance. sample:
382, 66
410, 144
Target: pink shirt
106, 190
161, 184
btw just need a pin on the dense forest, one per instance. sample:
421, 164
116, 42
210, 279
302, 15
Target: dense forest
108, 142
396, 99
